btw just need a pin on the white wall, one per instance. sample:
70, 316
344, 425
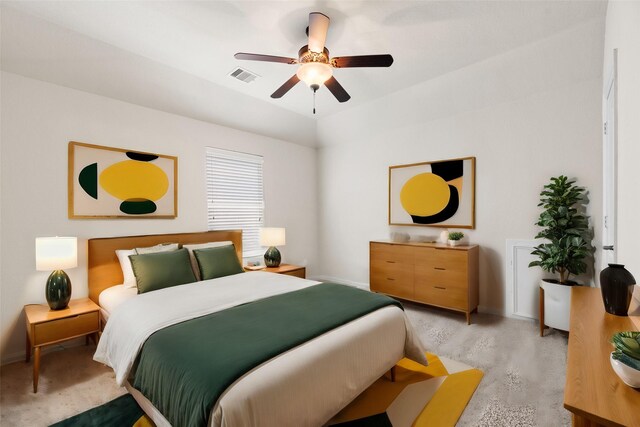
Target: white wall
623, 33
527, 115
39, 119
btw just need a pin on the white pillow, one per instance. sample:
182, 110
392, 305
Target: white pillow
162, 247
129, 280
127, 271
195, 246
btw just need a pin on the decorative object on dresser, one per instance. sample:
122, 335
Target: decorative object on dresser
616, 284
46, 327
593, 392
429, 273
272, 237
625, 359
56, 253
566, 230
455, 237
434, 194
106, 182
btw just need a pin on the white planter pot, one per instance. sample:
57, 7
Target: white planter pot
453, 242
557, 305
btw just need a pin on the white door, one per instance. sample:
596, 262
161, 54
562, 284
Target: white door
608, 253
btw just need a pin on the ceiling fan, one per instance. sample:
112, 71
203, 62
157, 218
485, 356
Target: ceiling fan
316, 67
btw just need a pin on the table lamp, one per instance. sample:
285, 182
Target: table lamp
272, 237
56, 253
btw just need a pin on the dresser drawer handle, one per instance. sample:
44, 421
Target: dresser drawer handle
389, 278
439, 268
391, 262
439, 287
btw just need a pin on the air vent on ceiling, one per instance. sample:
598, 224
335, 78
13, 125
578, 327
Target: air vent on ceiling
243, 75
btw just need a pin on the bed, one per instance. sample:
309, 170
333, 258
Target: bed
304, 385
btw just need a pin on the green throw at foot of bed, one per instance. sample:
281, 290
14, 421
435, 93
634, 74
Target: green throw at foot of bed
433, 396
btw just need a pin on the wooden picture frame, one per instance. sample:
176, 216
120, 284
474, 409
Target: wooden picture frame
433, 194
107, 182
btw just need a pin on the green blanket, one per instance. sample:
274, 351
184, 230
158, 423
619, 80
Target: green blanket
183, 369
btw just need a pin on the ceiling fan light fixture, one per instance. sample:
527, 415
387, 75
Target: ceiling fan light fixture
314, 73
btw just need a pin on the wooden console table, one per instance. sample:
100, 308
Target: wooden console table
593, 392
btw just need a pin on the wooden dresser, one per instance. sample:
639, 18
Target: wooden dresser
593, 392
429, 273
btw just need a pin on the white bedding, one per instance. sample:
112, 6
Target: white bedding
113, 297
343, 362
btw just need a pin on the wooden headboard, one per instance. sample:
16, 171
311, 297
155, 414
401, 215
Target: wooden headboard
104, 267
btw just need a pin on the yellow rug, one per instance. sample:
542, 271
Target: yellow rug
433, 396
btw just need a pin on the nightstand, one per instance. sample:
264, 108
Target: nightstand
46, 326
288, 269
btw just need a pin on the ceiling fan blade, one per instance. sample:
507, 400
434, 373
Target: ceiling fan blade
266, 58
286, 87
362, 61
318, 27
337, 90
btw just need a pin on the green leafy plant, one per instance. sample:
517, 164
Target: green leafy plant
627, 348
565, 228
456, 235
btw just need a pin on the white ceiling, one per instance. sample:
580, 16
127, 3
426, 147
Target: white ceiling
426, 38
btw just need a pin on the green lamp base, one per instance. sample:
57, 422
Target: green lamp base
58, 290
272, 257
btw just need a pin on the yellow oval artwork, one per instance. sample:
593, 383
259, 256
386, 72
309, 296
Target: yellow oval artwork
424, 195
132, 179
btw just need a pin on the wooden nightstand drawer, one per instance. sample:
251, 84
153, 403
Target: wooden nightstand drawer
62, 329
301, 273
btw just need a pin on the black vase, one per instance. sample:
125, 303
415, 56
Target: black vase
616, 284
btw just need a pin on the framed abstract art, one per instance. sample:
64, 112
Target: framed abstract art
434, 194
106, 182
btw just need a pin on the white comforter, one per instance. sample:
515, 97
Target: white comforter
134, 321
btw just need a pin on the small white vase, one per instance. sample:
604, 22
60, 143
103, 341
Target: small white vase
627, 374
453, 242
444, 236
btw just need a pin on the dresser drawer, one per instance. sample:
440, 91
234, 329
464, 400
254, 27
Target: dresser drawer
441, 277
392, 278
449, 259
391, 253
443, 296
61, 329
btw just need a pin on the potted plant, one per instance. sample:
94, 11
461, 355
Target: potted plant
455, 237
567, 236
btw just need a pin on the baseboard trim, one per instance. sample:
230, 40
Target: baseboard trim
20, 355
360, 285
491, 310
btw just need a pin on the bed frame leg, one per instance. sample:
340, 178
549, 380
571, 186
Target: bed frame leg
393, 374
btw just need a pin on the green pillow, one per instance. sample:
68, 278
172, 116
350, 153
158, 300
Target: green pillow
218, 262
162, 270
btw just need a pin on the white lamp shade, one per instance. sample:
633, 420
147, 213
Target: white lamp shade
272, 236
56, 253
314, 73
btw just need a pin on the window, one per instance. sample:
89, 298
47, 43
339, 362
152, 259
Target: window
235, 197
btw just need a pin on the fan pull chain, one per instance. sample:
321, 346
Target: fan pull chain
314, 102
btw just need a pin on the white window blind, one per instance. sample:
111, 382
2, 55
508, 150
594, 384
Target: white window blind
235, 197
